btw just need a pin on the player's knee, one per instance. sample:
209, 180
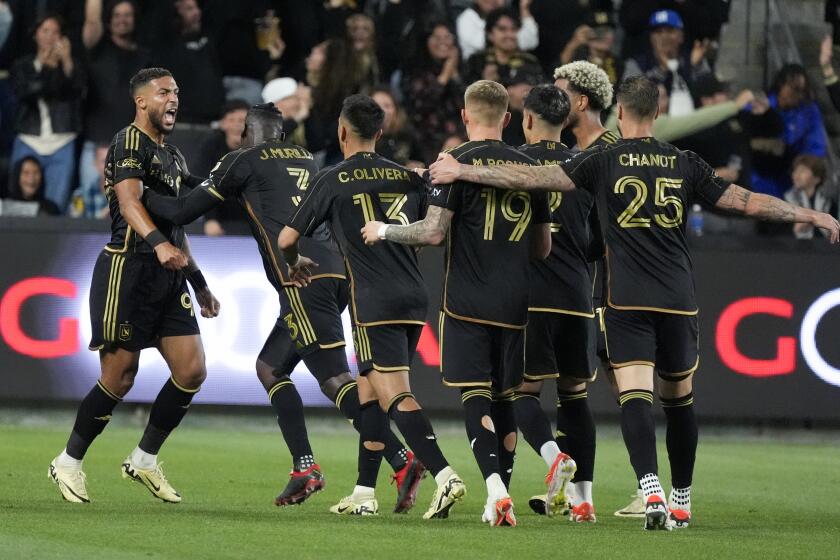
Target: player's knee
265, 373
192, 375
121, 386
675, 388
510, 442
374, 445
530, 387
571, 384
332, 386
403, 402
487, 423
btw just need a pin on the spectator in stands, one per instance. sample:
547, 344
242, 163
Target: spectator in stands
502, 59
314, 63
89, 201
667, 64
803, 133
28, 185
473, 22
832, 83
594, 42
228, 217
113, 57
191, 55
433, 90
518, 88
49, 88
809, 174
557, 26
295, 102
398, 142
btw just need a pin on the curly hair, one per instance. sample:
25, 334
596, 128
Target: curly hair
587, 79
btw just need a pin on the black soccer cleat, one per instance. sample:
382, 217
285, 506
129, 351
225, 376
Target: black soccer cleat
302, 484
408, 480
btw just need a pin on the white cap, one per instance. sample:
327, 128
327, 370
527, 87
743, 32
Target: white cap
279, 89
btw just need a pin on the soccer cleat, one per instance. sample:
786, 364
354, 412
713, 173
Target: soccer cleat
301, 485
504, 516
558, 477
680, 518
71, 483
636, 508
153, 479
350, 506
656, 514
446, 495
537, 504
408, 480
583, 513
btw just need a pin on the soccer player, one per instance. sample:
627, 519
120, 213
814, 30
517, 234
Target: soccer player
560, 337
269, 177
387, 293
644, 188
138, 294
491, 235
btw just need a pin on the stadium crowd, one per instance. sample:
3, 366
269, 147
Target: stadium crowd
65, 66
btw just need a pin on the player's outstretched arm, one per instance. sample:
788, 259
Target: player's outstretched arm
184, 210
206, 300
512, 177
431, 230
128, 194
771, 209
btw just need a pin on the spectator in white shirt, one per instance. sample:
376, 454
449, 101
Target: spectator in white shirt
470, 26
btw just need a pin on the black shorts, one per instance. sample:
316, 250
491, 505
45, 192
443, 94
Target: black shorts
134, 302
481, 355
666, 341
559, 344
601, 349
310, 329
386, 348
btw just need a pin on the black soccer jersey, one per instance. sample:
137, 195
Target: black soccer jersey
161, 167
269, 181
488, 245
385, 280
561, 282
599, 272
644, 189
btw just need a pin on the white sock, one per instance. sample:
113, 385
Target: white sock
65, 461
680, 498
444, 475
571, 494
363, 492
583, 490
496, 489
549, 452
651, 486
143, 460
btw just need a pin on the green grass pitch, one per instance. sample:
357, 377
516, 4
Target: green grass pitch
753, 499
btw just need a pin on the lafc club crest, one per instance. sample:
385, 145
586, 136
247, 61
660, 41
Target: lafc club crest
125, 332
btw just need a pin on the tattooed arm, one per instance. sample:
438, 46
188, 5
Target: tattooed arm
431, 230
771, 209
512, 177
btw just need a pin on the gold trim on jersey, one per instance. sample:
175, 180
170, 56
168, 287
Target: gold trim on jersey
128, 233
683, 373
132, 138
441, 317
301, 317
267, 242
632, 363
215, 193
561, 311
109, 319
483, 321
332, 345
149, 136
184, 389
609, 137
362, 343
372, 323
328, 275
467, 384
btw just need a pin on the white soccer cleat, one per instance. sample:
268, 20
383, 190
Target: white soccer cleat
356, 506
559, 475
71, 483
636, 508
446, 495
499, 513
153, 479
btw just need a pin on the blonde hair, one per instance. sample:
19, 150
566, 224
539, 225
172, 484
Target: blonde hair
486, 101
587, 79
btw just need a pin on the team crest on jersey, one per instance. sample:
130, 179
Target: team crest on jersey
126, 331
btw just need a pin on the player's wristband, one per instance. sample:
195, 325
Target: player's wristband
155, 238
196, 280
382, 229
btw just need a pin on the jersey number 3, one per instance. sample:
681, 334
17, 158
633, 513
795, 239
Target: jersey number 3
629, 219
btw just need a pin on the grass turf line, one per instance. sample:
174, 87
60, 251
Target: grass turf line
752, 500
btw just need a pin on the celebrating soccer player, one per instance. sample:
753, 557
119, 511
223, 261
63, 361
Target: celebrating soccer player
491, 235
644, 188
269, 177
387, 295
138, 295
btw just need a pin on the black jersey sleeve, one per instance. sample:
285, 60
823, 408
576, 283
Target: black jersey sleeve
315, 208
707, 185
128, 156
181, 210
228, 177
540, 209
582, 169
446, 196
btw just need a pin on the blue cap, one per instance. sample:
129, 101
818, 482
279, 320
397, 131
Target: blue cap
668, 18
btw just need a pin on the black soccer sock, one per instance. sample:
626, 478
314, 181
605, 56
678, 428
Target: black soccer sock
93, 415
347, 401
372, 423
681, 438
532, 420
287, 404
504, 419
480, 430
638, 430
168, 410
580, 431
418, 433
560, 436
